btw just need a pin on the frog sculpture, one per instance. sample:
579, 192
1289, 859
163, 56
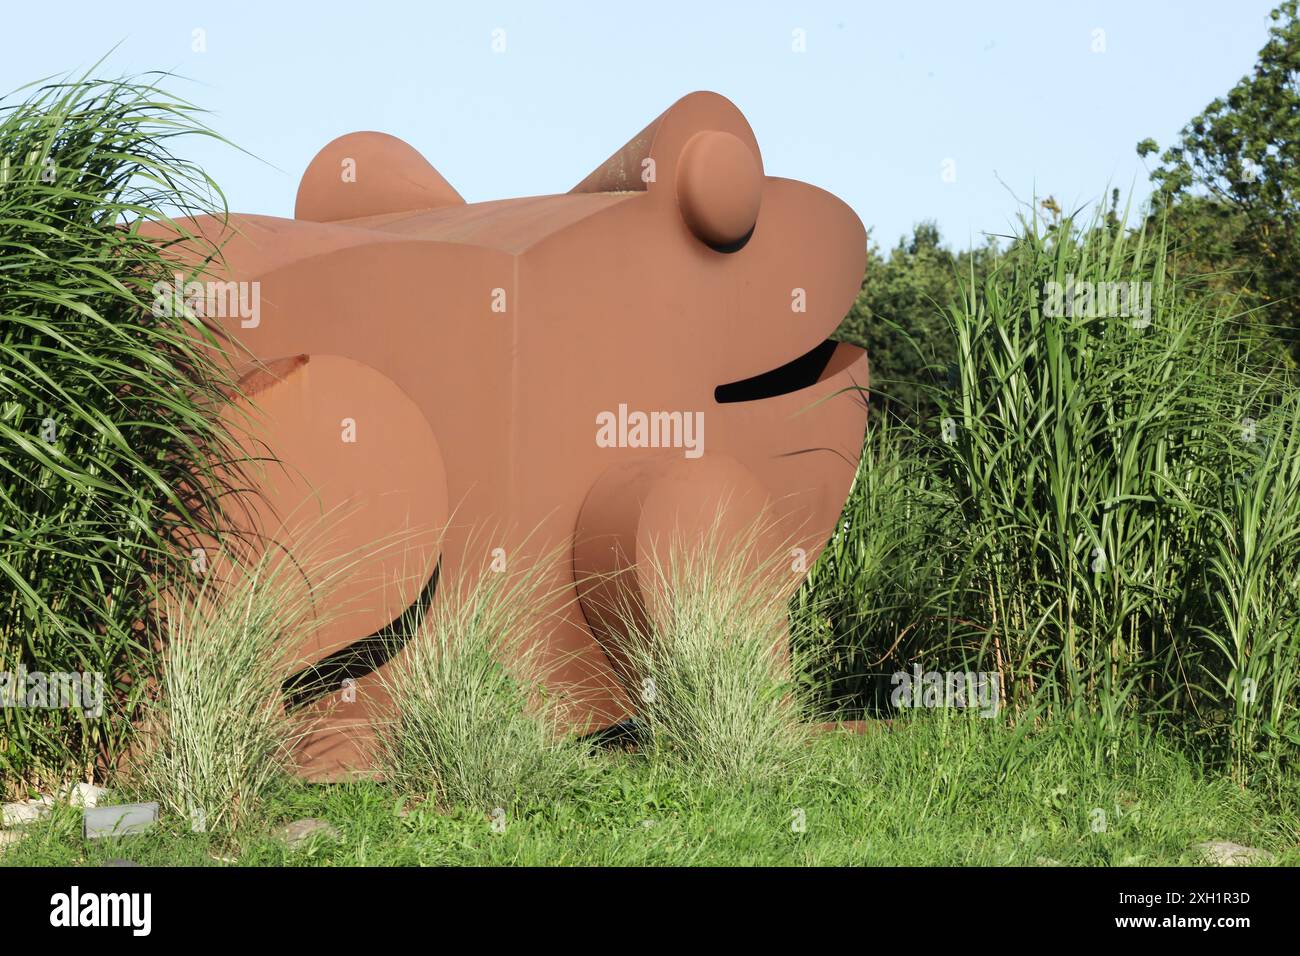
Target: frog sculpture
597, 371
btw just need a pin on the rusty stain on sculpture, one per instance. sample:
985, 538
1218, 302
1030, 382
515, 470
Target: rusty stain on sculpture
606, 367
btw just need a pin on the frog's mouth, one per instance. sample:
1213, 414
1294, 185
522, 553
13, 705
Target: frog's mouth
818, 364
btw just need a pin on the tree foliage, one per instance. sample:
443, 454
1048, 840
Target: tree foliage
1232, 182
898, 315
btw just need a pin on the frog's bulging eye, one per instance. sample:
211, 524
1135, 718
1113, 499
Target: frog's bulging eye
719, 188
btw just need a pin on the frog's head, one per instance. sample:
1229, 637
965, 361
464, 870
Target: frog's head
709, 287
726, 268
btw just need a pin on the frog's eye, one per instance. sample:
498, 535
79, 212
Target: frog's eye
719, 188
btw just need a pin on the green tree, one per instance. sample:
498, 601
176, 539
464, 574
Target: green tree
1233, 179
899, 316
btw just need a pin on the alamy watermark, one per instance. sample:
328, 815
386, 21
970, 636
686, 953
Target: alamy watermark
633, 429
75, 908
211, 300
963, 690
39, 690
1099, 300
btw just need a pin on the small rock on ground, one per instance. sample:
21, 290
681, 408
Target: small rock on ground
300, 831
27, 811
18, 814
1227, 853
8, 838
85, 795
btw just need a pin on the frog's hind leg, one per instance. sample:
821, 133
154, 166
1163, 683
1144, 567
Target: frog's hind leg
345, 477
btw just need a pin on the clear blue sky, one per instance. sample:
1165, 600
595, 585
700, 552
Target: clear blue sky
1012, 92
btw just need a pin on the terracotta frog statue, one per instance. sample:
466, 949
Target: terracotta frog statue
592, 370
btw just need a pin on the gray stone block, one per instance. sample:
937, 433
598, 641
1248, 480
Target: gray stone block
126, 820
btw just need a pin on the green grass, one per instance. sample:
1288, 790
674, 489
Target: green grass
217, 736
931, 791
705, 663
471, 722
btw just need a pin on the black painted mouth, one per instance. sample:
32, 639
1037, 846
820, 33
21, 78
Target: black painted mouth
808, 369
361, 657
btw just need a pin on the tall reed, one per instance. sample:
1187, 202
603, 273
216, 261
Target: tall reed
108, 446
1103, 512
